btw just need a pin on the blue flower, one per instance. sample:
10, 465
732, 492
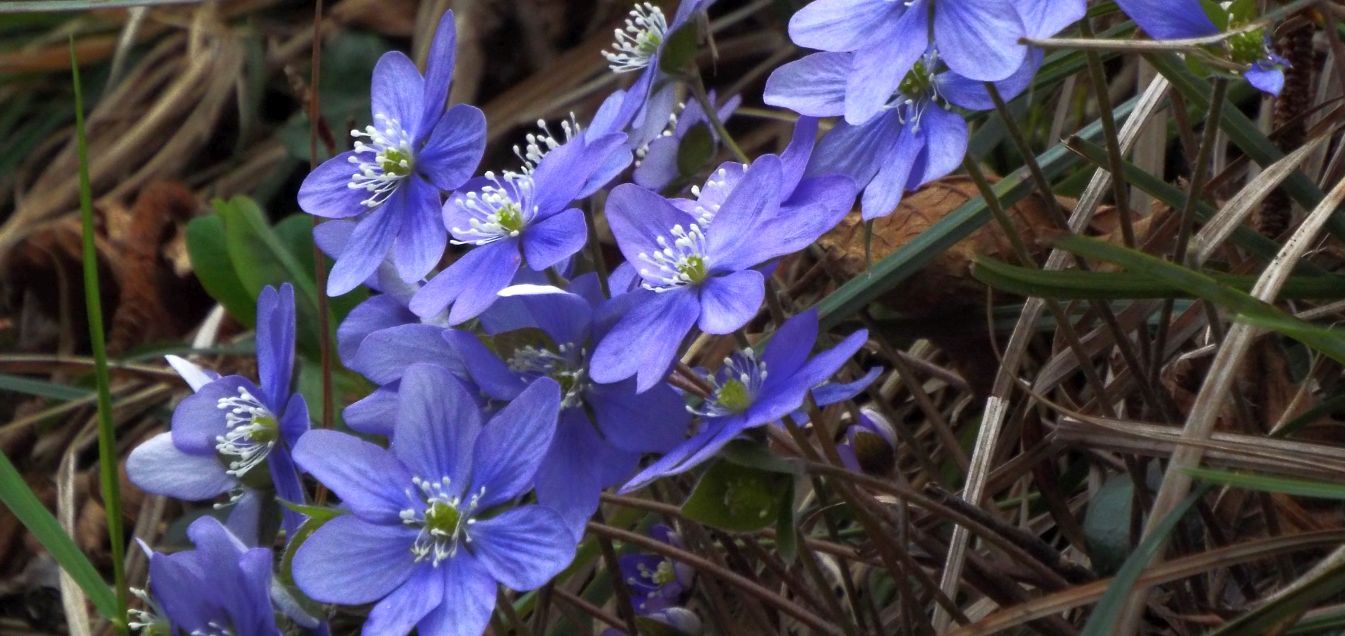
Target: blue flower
656, 582
429, 534
604, 429
694, 260
515, 218
915, 137
1181, 19
656, 165
398, 167
752, 390
881, 41
230, 433
870, 444
220, 587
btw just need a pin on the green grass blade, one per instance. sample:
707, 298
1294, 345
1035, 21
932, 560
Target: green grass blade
28, 509
1271, 483
1249, 309
1108, 610
1075, 284
107, 434
50, 390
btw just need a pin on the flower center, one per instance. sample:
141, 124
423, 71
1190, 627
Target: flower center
500, 210
251, 432
637, 44
735, 387
443, 520
565, 366
381, 162
677, 263
917, 91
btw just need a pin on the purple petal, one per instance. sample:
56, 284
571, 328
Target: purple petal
812, 86
324, 191
563, 174
659, 166
945, 136
569, 480
198, 418
366, 477
439, 76
565, 316
787, 395
857, 151
884, 193
470, 283
437, 424
979, 39
833, 392
375, 414
794, 159
971, 94
689, 454
554, 239
490, 373
1267, 79
843, 25
523, 547
467, 602
512, 444
788, 349
649, 422
391, 351
378, 313
876, 71
421, 241
159, 467
368, 246
645, 340
397, 91
1045, 18
1169, 19
399, 611
639, 217
351, 561
729, 302
817, 206
454, 147
275, 343
731, 244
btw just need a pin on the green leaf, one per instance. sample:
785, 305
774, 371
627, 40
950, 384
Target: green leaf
695, 150
756, 455
28, 509
1106, 524
1269, 483
1078, 284
320, 513
787, 527
1108, 609
680, 48
210, 259
1249, 309
737, 498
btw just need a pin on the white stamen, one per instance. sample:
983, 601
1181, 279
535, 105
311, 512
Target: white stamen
439, 543
383, 162
245, 417
566, 366
538, 144
677, 263
500, 210
637, 43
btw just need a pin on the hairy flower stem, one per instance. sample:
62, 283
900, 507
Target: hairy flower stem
698, 91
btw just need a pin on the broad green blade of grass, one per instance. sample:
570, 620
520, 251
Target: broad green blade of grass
1108, 609
28, 509
957, 225
107, 433
1202, 286
1077, 284
1271, 483
29, 386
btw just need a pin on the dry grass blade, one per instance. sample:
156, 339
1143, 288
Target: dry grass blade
72, 598
997, 405
1213, 395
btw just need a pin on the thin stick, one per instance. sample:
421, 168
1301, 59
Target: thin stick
319, 259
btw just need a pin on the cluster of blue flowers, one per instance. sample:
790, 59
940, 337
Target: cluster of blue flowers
519, 382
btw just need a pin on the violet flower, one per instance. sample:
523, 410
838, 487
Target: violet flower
220, 587
656, 163
228, 435
513, 219
752, 390
694, 260
656, 582
604, 429
398, 167
915, 137
1181, 19
428, 536
869, 444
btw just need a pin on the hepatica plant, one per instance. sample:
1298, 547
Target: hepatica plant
566, 362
